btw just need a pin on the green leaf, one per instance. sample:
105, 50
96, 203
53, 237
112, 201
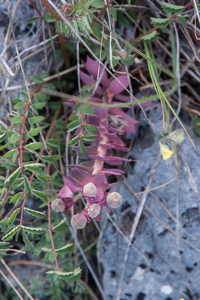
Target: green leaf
4, 245
160, 22
13, 216
129, 60
49, 18
14, 156
35, 131
97, 3
60, 124
39, 97
40, 195
89, 137
16, 198
35, 120
38, 105
61, 227
43, 178
33, 165
15, 137
20, 105
77, 109
72, 118
54, 143
82, 147
17, 119
31, 20
34, 146
113, 12
33, 230
150, 37
66, 249
73, 125
171, 8
27, 242
87, 110
74, 141
183, 20
73, 275
27, 186
10, 233
10, 153
16, 100
35, 213
11, 179
50, 159
51, 257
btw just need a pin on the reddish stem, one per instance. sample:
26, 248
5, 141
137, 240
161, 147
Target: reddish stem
103, 10
190, 3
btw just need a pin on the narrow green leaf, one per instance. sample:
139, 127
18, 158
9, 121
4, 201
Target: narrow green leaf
183, 20
35, 131
13, 216
34, 146
35, 120
20, 105
82, 147
51, 257
10, 233
17, 119
35, 170
74, 141
50, 159
61, 227
14, 156
35, 213
33, 230
87, 109
73, 125
2, 137
89, 137
40, 195
11, 179
34, 165
31, 20
150, 37
27, 242
4, 245
27, 186
66, 249
10, 153
16, 198
73, 275
15, 137
113, 12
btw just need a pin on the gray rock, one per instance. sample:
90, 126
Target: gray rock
176, 260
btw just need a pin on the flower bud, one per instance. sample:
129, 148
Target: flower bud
114, 199
177, 136
94, 210
90, 190
78, 221
58, 205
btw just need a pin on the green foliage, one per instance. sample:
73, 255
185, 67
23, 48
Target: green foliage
161, 23
171, 8
196, 123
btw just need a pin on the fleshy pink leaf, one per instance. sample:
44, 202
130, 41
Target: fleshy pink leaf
92, 67
78, 174
66, 191
90, 81
115, 87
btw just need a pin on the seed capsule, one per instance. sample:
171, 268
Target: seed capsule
58, 205
90, 190
114, 199
78, 221
94, 210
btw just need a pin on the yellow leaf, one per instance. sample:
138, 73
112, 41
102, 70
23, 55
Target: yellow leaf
164, 150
